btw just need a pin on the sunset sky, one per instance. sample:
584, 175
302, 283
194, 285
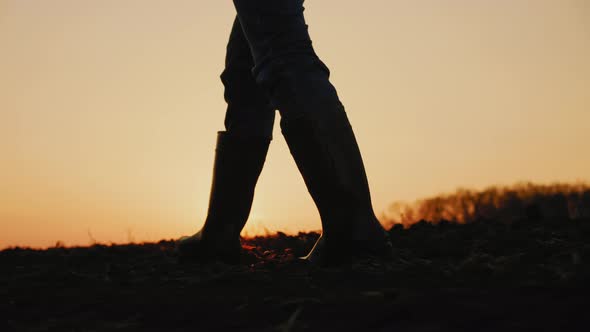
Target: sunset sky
109, 108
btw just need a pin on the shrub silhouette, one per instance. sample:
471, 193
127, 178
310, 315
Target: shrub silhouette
558, 201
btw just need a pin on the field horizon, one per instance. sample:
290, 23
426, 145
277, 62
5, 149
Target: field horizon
500, 202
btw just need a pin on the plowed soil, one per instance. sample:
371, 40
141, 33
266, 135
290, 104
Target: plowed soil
483, 276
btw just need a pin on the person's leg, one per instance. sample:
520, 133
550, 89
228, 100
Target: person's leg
239, 157
314, 124
249, 111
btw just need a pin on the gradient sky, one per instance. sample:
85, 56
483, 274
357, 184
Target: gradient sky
109, 108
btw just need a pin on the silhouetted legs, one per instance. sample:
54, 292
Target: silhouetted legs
270, 65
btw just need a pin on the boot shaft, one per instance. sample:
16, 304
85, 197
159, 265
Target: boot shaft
326, 152
238, 163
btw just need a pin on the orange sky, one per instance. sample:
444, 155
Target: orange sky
109, 109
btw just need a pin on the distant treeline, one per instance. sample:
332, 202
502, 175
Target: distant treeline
521, 201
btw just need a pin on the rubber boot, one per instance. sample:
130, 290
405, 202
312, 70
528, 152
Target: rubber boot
327, 155
238, 163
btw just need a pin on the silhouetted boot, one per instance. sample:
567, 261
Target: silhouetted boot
327, 155
238, 163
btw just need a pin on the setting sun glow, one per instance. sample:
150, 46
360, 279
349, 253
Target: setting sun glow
109, 109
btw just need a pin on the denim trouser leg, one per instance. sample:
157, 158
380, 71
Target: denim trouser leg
249, 111
286, 64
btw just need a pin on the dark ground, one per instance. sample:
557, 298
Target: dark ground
484, 276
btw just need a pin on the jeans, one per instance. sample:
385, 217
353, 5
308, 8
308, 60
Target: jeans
271, 64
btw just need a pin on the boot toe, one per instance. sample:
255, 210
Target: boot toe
195, 249
323, 254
